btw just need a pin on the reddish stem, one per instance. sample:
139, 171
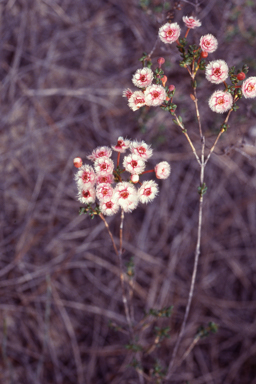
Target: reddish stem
187, 32
151, 170
177, 41
118, 159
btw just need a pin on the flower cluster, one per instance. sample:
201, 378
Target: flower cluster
97, 181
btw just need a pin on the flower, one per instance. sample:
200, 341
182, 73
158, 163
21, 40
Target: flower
127, 196
169, 33
127, 93
249, 87
104, 191
135, 178
136, 100
143, 77
77, 162
208, 43
109, 207
220, 101
103, 166
155, 95
122, 145
134, 164
85, 177
86, 196
141, 149
148, 191
191, 22
162, 170
104, 179
100, 152
216, 71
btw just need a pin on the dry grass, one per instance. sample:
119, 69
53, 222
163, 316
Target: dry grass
63, 67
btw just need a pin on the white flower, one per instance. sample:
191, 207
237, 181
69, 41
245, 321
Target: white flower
127, 93
148, 191
155, 95
136, 100
208, 43
100, 152
122, 144
135, 178
249, 87
191, 22
220, 101
134, 164
143, 77
162, 170
109, 178
169, 33
86, 196
141, 149
85, 177
104, 191
109, 207
216, 71
103, 166
127, 196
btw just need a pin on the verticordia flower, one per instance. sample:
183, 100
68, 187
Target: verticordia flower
208, 43
191, 22
220, 101
126, 196
136, 100
216, 71
143, 77
169, 33
86, 196
162, 170
85, 177
100, 152
103, 166
155, 95
148, 191
104, 191
249, 87
134, 164
109, 178
122, 144
127, 93
109, 207
141, 149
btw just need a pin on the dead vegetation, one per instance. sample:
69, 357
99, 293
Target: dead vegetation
64, 65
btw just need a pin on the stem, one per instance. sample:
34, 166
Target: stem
187, 32
118, 159
151, 170
198, 115
119, 254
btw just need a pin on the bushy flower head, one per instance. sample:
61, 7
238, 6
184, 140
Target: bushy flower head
249, 87
155, 95
100, 152
148, 191
122, 145
109, 207
104, 179
127, 93
86, 196
162, 170
104, 191
216, 71
169, 33
103, 166
141, 149
208, 43
191, 22
127, 196
85, 177
143, 77
136, 100
134, 164
220, 101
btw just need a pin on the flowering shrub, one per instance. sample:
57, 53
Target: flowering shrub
97, 181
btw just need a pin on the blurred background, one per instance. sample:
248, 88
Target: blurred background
63, 67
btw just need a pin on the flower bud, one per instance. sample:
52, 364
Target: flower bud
78, 162
204, 54
135, 178
241, 76
160, 61
164, 79
171, 88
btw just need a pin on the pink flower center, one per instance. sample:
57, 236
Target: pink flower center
147, 191
86, 194
139, 101
170, 32
250, 87
104, 191
86, 177
109, 204
207, 43
124, 194
120, 144
155, 94
143, 78
217, 72
134, 163
104, 166
220, 100
141, 150
101, 154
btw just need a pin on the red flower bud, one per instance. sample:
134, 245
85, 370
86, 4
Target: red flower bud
171, 88
204, 54
160, 61
241, 76
78, 162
